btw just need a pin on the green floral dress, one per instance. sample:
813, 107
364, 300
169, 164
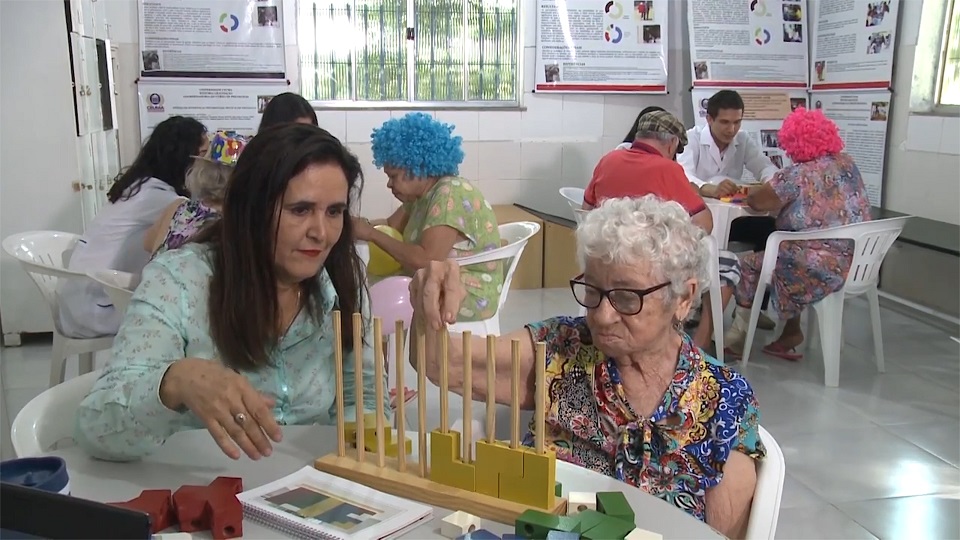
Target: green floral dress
456, 203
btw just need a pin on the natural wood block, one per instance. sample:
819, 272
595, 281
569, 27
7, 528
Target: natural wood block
412, 486
578, 501
458, 524
642, 534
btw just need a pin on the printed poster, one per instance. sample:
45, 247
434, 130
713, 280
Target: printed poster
763, 114
238, 107
854, 44
211, 38
749, 43
595, 46
862, 118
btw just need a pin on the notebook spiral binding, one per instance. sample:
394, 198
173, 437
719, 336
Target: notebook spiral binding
284, 524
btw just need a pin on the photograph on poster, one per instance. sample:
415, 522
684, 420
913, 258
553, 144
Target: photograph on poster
643, 9
820, 66
818, 105
651, 33
792, 33
792, 12
151, 61
878, 110
769, 138
876, 11
776, 159
796, 103
267, 16
262, 102
700, 70
878, 41
551, 72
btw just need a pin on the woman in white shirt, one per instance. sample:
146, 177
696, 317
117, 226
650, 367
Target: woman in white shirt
114, 240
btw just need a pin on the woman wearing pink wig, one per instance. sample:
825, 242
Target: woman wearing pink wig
823, 188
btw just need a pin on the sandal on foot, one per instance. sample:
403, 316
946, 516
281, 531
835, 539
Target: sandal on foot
778, 350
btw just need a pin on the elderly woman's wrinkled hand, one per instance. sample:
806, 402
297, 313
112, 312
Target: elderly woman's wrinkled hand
437, 293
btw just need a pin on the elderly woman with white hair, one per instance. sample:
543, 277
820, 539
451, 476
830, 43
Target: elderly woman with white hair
629, 394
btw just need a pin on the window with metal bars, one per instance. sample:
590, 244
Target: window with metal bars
440, 52
948, 91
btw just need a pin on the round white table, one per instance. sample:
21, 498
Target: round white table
192, 458
723, 215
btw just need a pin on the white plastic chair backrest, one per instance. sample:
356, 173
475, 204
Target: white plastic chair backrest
44, 256
765, 508
50, 417
574, 197
118, 285
873, 239
516, 235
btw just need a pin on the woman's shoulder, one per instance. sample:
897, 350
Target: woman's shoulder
185, 263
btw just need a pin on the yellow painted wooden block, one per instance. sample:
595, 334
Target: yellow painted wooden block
446, 466
391, 449
370, 441
369, 431
537, 485
494, 459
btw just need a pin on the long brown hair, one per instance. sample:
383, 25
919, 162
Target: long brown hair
243, 305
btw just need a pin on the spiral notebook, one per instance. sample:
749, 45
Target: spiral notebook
313, 504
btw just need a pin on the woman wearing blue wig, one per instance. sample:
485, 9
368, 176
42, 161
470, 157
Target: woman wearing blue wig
443, 215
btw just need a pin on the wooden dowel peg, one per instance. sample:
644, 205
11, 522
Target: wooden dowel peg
358, 378
338, 371
515, 394
491, 388
422, 397
401, 413
467, 356
541, 391
378, 368
444, 380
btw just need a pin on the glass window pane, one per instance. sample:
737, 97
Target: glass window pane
440, 50
492, 27
381, 50
325, 34
950, 89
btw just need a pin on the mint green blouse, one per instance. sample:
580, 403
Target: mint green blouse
122, 417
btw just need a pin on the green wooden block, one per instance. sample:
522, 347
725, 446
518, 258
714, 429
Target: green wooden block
535, 524
610, 528
614, 504
589, 519
558, 489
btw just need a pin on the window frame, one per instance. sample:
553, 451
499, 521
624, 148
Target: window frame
474, 105
932, 42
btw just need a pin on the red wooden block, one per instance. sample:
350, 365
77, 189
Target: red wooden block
190, 503
225, 516
228, 483
157, 504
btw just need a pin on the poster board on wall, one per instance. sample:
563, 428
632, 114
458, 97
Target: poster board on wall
854, 44
862, 118
763, 114
238, 107
212, 38
751, 43
597, 47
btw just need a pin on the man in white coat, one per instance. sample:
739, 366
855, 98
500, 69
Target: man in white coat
714, 160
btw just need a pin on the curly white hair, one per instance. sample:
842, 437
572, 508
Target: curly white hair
646, 230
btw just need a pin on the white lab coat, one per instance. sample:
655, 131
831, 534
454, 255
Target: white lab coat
113, 241
702, 162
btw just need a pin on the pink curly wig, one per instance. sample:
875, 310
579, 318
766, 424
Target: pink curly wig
807, 135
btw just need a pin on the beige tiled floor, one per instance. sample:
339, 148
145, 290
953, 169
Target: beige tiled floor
877, 457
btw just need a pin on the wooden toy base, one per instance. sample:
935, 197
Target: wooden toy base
411, 485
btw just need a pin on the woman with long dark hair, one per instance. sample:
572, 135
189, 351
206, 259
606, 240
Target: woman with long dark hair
114, 240
232, 332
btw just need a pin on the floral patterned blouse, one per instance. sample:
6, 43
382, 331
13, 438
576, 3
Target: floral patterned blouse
679, 453
187, 221
455, 202
123, 419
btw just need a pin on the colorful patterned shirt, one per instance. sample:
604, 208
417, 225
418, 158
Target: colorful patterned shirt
707, 412
456, 203
187, 221
122, 418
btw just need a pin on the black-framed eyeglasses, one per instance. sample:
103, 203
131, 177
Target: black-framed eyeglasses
624, 301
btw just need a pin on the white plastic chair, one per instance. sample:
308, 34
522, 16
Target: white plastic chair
765, 508
716, 300
50, 417
44, 256
118, 285
873, 239
574, 197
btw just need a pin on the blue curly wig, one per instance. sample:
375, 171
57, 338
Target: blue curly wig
418, 144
